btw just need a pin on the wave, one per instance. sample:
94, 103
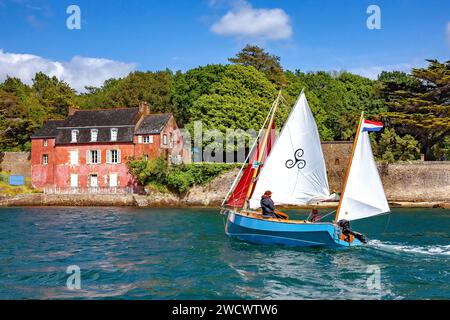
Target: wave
443, 250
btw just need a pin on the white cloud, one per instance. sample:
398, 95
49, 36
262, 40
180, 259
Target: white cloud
78, 72
247, 22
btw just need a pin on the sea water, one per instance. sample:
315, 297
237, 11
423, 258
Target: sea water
129, 253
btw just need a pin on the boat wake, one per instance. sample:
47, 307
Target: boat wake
443, 250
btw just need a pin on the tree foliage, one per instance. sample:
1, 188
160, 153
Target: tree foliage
153, 87
266, 63
177, 178
414, 107
391, 147
240, 100
420, 106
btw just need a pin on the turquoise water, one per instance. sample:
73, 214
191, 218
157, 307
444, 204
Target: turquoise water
130, 253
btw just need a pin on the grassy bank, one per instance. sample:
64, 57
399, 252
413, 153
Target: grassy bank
8, 190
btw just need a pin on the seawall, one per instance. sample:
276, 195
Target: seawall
424, 184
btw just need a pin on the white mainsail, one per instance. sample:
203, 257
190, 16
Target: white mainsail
364, 195
295, 169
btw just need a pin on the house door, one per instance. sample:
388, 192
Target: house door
94, 181
113, 180
74, 181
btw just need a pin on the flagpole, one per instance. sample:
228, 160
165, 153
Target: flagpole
361, 119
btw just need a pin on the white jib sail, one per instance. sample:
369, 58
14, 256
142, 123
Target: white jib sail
364, 194
295, 169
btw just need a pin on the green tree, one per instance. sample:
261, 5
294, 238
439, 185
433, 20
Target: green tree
391, 147
55, 95
153, 87
240, 100
337, 99
422, 110
266, 63
189, 86
15, 124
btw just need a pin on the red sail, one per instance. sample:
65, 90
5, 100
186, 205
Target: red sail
239, 193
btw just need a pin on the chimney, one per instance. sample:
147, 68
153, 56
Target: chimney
143, 108
72, 110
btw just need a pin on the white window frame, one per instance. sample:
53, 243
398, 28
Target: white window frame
148, 139
114, 134
45, 142
74, 177
117, 179
71, 152
165, 139
91, 180
74, 135
94, 135
89, 156
45, 159
111, 158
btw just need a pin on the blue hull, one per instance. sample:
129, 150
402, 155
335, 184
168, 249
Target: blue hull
267, 232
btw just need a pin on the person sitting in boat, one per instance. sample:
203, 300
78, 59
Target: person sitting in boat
267, 205
315, 216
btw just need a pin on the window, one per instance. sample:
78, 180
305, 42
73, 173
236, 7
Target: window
139, 139
148, 139
145, 157
114, 134
113, 180
94, 134
93, 157
75, 135
74, 180
337, 162
45, 159
45, 142
171, 138
113, 156
165, 139
73, 157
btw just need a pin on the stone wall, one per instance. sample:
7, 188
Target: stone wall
16, 163
415, 182
336, 155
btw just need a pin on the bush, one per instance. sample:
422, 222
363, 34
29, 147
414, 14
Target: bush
392, 147
177, 178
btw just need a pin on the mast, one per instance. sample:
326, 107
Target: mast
349, 165
263, 149
254, 146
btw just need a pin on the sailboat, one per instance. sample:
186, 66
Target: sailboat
293, 168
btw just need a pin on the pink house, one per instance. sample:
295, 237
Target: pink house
87, 152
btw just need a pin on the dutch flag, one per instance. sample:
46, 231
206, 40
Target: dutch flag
372, 126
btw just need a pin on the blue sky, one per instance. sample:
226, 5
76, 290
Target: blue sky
119, 36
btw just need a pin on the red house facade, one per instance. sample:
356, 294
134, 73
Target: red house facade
87, 152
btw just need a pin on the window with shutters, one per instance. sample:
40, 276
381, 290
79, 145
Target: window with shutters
93, 157
114, 156
148, 139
